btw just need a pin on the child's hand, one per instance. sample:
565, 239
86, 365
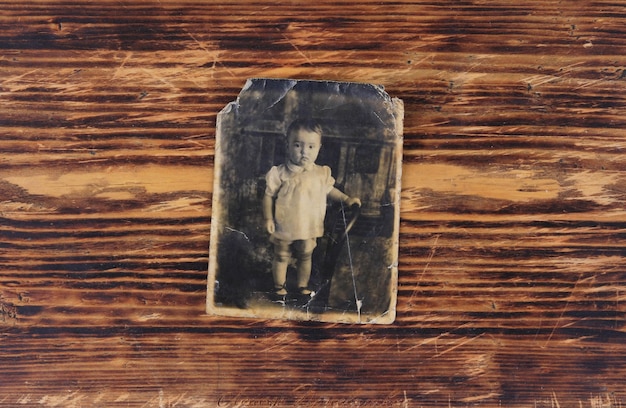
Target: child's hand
352, 201
270, 226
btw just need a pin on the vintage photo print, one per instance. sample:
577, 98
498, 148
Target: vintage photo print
305, 209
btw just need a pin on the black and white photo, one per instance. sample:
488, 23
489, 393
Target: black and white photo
305, 208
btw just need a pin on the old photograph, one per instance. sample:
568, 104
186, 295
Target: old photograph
305, 207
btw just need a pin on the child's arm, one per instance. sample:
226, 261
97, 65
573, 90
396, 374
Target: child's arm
336, 195
268, 213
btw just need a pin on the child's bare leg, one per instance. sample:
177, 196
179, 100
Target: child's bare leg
279, 272
305, 255
279, 267
304, 272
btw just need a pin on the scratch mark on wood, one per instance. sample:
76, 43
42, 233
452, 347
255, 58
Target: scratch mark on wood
563, 310
118, 70
431, 255
295, 47
461, 344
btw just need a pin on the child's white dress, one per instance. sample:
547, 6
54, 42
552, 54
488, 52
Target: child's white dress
300, 200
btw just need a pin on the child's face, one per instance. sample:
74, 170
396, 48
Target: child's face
303, 146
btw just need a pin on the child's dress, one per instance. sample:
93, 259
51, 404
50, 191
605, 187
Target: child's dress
300, 200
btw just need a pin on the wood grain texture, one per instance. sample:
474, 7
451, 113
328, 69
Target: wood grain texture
512, 275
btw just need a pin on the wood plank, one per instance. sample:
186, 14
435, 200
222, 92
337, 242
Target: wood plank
511, 276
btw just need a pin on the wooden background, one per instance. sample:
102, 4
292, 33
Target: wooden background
512, 283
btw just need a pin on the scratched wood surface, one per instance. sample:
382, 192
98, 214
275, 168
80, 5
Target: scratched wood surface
512, 275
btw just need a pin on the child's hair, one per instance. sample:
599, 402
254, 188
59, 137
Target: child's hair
308, 124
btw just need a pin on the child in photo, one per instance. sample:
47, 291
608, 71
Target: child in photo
294, 205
